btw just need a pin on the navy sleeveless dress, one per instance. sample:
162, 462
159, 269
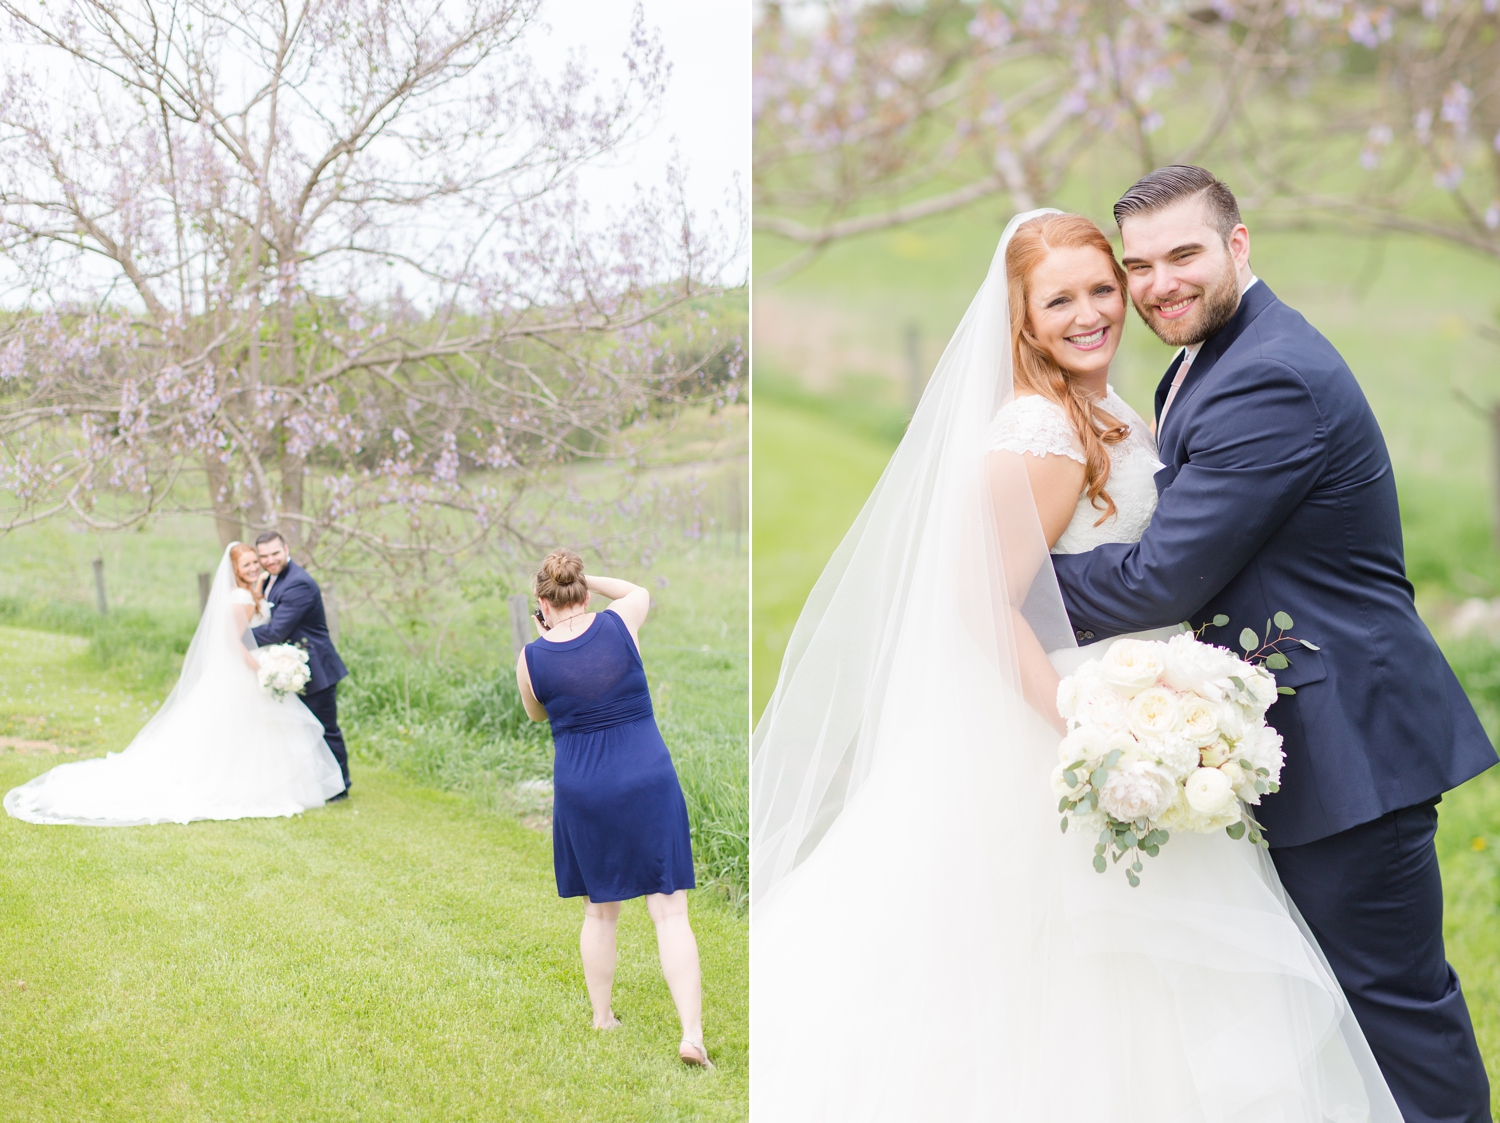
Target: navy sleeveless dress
619, 822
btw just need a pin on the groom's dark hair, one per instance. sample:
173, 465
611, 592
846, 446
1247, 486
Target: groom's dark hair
270, 536
1176, 182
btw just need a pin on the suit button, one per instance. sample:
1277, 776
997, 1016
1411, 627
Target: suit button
1085, 635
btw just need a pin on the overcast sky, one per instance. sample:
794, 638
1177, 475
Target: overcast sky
707, 106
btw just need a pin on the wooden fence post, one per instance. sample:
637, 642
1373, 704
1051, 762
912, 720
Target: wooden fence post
99, 587
521, 631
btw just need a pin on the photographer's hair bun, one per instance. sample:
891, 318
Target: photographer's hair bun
560, 579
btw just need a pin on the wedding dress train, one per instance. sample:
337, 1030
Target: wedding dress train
925, 943
220, 747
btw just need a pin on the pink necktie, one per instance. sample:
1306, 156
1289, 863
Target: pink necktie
1187, 361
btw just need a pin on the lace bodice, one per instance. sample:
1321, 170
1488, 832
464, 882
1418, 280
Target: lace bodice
1038, 426
242, 596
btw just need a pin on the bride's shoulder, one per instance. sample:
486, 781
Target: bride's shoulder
238, 595
1030, 423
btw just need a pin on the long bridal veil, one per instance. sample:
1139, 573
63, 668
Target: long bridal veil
924, 943
219, 747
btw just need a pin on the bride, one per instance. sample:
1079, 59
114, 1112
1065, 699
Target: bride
926, 944
220, 747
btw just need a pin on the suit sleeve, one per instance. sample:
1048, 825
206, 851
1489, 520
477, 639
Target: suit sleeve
1255, 449
291, 607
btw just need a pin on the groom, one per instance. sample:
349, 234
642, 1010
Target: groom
297, 615
1277, 495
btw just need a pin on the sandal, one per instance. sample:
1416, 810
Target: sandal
694, 1054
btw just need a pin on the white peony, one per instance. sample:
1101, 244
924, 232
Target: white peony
1181, 816
1085, 822
1101, 708
1139, 790
1190, 665
1175, 753
1200, 720
1131, 665
1261, 746
1088, 743
1231, 720
1154, 712
1208, 791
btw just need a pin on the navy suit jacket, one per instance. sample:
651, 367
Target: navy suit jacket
1277, 495
298, 615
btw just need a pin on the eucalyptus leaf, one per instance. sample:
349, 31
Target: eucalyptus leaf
1310, 646
1237, 831
1238, 682
1268, 628
1104, 837
1283, 621
1247, 639
1276, 661
1112, 759
1098, 776
1221, 620
1076, 765
1099, 863
1153, 850
1136, 865
1065, 824
1070, 778
1285, 690
1134, 881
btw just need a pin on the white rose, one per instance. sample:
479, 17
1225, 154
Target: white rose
1260, 684
1154, 712
1130, 749
1087, 743
1175, 753
1101, 708
1208, 791
1200, 720
1131, 665
1216, 753
1139, 790
1192, 665
1181, 816
1067, 697
1241, 779
1061, 787
1085, 822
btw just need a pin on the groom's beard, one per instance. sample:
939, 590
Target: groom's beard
1216, 307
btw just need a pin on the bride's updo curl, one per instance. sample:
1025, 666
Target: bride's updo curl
1035, 370
560, 580
236, 552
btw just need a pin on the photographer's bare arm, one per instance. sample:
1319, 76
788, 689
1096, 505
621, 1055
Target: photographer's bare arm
1056, 483
630, 602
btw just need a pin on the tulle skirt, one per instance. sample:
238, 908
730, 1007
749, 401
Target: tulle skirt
225, 749
945, 953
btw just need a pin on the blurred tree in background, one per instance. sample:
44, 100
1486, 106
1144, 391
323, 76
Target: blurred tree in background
332, 259
873, 115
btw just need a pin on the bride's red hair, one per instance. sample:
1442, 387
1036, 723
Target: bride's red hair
1035, 370
236, 552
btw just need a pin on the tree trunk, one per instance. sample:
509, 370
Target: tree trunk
221, 493
293, 468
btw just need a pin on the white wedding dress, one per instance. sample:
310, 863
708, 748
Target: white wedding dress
220, 747
925, 943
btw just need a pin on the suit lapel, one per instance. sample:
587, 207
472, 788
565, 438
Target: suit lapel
1252, 304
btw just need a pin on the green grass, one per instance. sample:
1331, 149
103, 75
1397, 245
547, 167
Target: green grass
400, 956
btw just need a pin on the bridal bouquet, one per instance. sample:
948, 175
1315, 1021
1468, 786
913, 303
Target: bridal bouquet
283, 669
1168, 735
